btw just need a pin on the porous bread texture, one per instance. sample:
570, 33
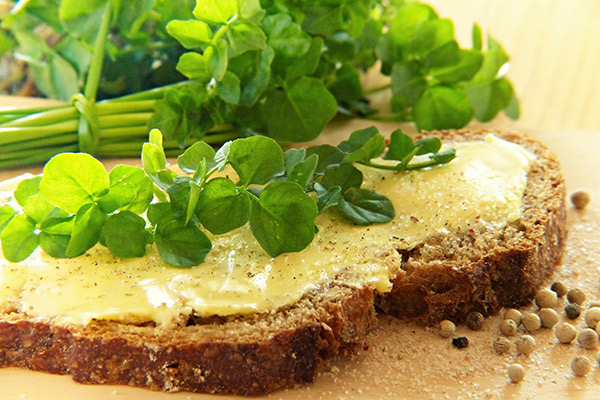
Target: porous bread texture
248, 355
450, 275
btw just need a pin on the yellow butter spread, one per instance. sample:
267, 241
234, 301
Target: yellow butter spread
483, 185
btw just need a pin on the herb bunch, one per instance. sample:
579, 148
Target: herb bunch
280, 68
76, 203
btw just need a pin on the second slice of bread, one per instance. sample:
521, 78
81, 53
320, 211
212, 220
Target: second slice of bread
449, 275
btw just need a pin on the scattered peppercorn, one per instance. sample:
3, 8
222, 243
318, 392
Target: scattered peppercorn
572, 310
516, 373
460, 342
508, 327
447, 328
546, 298
501, 344
592, 317
576, 296
475, 320
526, 344
581, 366
588, 338
580, 199
565, 333
549, 317
559, 288
531, 321
515, 315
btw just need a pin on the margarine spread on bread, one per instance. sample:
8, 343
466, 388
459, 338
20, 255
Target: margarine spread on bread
481, 188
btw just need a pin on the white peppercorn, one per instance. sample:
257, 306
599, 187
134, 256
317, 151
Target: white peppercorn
546, 298
501, 344
580, 199
559, 288
572, 310
592, 317
508, 327
531, 321
565, 333
549, 317
593, 303
526, 344
447, 328
475, 320
516, 373
576, 296
514, 314
581, 366
587, 338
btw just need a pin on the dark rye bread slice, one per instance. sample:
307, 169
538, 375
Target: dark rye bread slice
246, 355
448, 276
445, 277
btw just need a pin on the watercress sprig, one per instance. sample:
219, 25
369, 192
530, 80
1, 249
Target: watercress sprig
76, 203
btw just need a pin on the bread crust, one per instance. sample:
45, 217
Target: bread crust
249, 356
448, 277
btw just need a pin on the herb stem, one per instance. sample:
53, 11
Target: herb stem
95, 70
378, 89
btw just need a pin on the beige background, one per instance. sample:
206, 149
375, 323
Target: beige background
555, 68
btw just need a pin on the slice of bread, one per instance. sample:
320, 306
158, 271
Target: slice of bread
246, 355
450, 275
447, 276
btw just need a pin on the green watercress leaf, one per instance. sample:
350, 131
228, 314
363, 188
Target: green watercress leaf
27, 188
215, 12
58, 222
54, 245
179, 195
300, 112
228, 88
181, 246
194, 66
125, 235
71, 180
246, 36
37, 208
19, 239
222, 207
363, 145
191, 34
328, 155
400, 146
442, 107
88, 224
344, 175
327, 197
365, 207
6, 214
256, 159
303, 172
194, 155
128, 185
282, 220
293, 157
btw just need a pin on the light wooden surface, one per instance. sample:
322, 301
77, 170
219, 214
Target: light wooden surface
555, 49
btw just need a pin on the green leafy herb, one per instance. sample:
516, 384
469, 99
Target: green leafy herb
76, 203
219, 70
